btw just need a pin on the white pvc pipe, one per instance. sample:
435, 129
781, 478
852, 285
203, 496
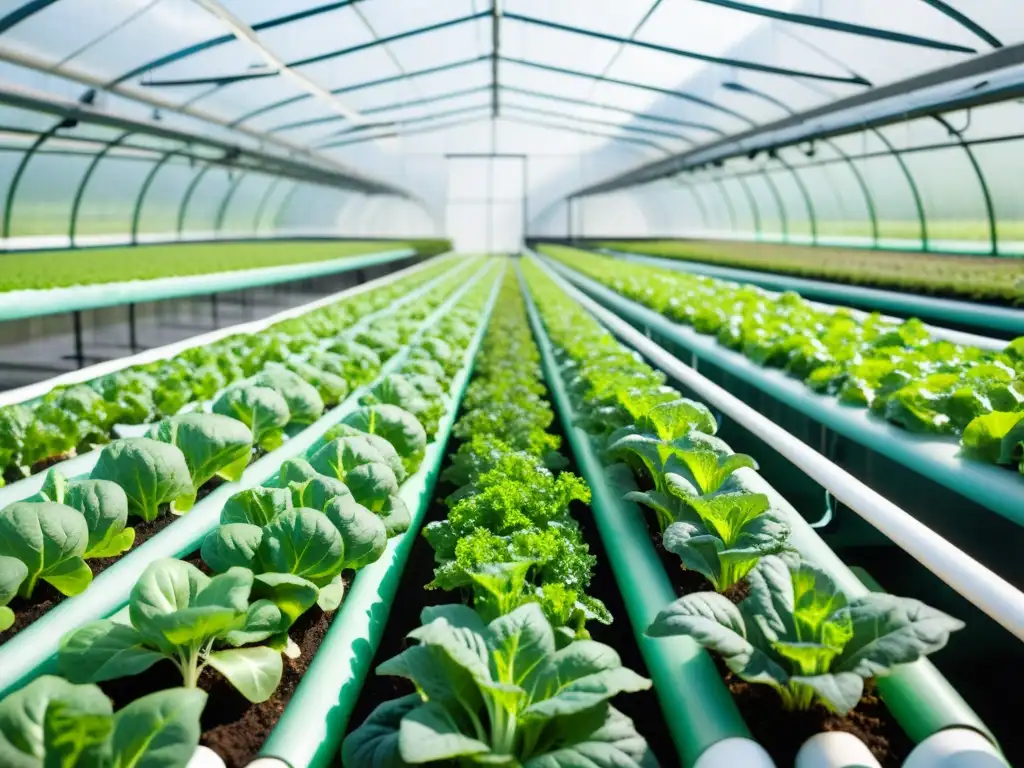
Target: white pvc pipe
204, 757
955, 748
730, 753
266, 762
835, 749
992, 594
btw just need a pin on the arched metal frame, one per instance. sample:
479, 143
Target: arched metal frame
222, 209
918, 202
989, 207
264, 199
728, 202
779, 204
868, 200
12, 189
186, 197
753, 205
806, 196
76, 203
140, 199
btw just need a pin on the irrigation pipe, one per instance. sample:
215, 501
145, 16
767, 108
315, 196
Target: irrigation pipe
934, 457
698, 708
1005, 319
920, 698
985, 589
310, 731
83, 463
32, 651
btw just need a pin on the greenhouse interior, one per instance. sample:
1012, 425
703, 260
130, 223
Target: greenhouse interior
525, 383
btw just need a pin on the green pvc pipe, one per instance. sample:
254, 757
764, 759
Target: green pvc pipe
698, 708
918, 696
934, 457
19, 305
33, 651
311, 729
988, 318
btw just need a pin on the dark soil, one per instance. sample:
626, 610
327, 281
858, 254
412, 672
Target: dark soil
45, 598
783, 732
233, 727
45, 464
209, 487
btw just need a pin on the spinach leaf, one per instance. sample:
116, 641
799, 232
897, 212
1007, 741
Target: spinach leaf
179, 614
304, 402
501, 693
257, 506
12, 573
996, 437
54, 722
261, 409
104, 506
397, 426
150, 472
356, 463
797, 632
50, 540
212, 444
386, 450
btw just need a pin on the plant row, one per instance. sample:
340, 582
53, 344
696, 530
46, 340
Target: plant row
70, 420
40, 270
512, 678
50, 536
965, 277
897, 370
773, 617
282, 551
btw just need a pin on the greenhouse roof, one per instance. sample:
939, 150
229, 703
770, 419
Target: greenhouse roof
603, 85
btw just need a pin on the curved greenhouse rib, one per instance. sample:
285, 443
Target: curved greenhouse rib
985, 589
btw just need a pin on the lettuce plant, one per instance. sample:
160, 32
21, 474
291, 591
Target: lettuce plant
996, 437
12, 573
260, 408
410, 394
305, 543
104, 506
797, 632
51, 722
397, 426
150, 472
304, 402
180, 614
500, 693
50, 540
357, 464
212, 444
382, 446
705, 461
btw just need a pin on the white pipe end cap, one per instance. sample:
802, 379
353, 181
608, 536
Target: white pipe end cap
268, 762
204, 757
955, 748
732, 752
835, 749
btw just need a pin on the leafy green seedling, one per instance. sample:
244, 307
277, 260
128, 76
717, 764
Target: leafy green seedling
261, 409
50, 539
501, 693
104, 506
151, 473
797, 632
212, 444
180, 614
51, 722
